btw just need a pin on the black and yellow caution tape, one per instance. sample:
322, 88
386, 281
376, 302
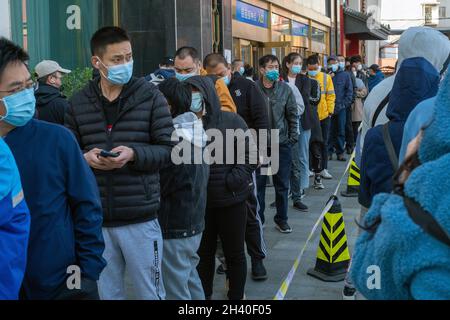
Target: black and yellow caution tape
281, 294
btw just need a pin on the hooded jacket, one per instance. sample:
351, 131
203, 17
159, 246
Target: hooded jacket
422, 42
327, 102
413, 264
229, 184
184, 186
51, 104
129, 195
417, 80
374, 80
14, 226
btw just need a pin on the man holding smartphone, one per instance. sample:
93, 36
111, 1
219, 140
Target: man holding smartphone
124, 127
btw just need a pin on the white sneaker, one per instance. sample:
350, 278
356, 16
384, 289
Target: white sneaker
326, 175
311, 174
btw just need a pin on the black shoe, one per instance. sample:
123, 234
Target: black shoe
221, 270
341, 158
259, 272
273, 205
350, 150
300, 206
349, 293
283, 227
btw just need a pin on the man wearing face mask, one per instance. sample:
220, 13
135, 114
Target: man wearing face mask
343, 87
124, 127
59, 188
357, 64
237, 68
325, 107
283, 116
188, 65
51, 104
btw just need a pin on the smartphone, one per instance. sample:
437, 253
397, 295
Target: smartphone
108, 154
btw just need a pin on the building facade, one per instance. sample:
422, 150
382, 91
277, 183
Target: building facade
61, 29
280, 27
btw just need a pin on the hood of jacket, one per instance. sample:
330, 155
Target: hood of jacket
424, 42
189, 127
205, 85
46, 94
416, 80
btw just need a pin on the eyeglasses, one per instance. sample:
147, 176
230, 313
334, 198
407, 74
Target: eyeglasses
29, 85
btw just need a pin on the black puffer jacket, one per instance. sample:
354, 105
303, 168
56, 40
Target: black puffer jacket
51, 104
229, 184
132, 194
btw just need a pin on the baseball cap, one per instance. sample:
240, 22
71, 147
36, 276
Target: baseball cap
48, 67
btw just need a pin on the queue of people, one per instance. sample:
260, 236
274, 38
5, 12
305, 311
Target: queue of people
93, 185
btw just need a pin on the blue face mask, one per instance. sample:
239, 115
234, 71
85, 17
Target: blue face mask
226, 80
296, 69
342, 65
20, 108
120, 74
334, 67
242, 71
313, 73
184, 77
273, 75
197, 102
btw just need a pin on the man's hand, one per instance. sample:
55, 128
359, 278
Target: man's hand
92, 158
126, 156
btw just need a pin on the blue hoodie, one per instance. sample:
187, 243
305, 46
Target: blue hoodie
14, 227
413, 264
375, 80
66, 213
416, 80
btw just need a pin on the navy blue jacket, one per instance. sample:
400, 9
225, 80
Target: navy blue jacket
343, 87
373, 81
416, 81
64, 202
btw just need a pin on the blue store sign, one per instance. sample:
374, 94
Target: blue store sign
252, 15
300, 29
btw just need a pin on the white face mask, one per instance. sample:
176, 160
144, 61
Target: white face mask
360, 67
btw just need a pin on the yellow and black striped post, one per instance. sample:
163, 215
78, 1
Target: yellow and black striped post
354, 181
333, 256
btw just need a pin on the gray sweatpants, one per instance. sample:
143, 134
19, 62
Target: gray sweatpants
137, 248
179, 267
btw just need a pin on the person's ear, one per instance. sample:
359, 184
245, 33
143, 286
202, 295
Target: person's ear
95, 63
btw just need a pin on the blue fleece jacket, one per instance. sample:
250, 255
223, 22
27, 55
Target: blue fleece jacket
413, 264
373, 81
343, 87
416, 81
14, 226
64, 202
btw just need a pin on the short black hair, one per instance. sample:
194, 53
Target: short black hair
312, 60
167, 61
212, 60
105, 37
268, 58
185, 52
355, 59
249, 71
11, 53
375, 67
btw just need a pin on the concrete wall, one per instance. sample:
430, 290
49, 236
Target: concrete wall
403, 14
445, 23
5, 19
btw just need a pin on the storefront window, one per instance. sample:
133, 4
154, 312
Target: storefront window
300, 29
281, 24
318, 35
